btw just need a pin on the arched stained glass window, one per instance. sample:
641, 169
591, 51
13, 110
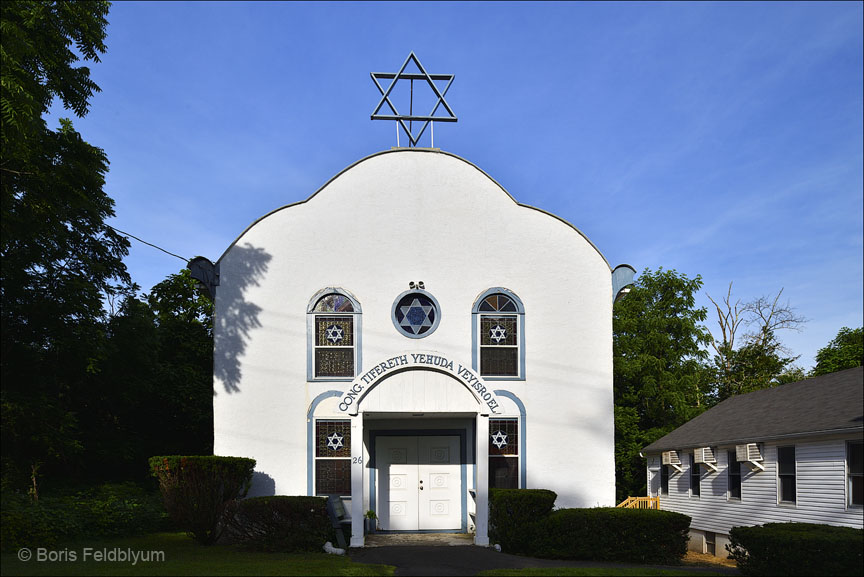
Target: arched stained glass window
498, 303
499, 322
504, 453
332, 457
333, 322
334, 303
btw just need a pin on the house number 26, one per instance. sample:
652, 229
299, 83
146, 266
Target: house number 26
356, 460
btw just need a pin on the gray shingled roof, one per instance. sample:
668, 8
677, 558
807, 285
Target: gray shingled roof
821, 405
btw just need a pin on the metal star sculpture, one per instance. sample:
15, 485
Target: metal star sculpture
335, 441
334, 334
410, 117
498, 334
415, 316
499, 439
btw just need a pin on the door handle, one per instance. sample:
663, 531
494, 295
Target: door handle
421, 484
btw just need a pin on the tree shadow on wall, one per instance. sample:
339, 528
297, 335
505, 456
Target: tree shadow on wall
235, 317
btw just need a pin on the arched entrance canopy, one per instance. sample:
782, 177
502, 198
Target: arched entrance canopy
428, 360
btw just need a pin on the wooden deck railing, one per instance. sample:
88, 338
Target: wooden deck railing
640, 503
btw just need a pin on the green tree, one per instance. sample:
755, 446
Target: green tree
845, 351
658, 347
748, 356
59, 258
184, 318
118, 409
153, 393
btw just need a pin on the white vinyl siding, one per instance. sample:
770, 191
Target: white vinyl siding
820, 484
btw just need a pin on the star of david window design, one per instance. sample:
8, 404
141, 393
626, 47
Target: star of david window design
415, 317
416, 314
498, 333
498, 338
335, 441
333, 322
499, 439
334, 333
504, 453
332, 469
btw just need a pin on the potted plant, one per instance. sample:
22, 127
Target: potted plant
370, 521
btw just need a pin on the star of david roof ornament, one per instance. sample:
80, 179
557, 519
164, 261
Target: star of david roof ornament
431, 118
499, 439
335, 441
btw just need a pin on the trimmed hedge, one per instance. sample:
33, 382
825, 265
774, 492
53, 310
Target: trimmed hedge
511, 511
612, 534
285, 524
108, 510
197, 489
797, 549
523, 523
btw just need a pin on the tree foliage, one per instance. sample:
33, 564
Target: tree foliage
845, 351
659, 352
663, 373
160, 348
748, 356
42, 41
59, 258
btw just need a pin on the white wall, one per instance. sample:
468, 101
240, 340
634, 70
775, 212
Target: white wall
424, 216
820, 487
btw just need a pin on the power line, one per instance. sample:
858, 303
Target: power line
147, 243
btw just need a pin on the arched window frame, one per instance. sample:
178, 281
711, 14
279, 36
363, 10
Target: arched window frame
476, 318
330, 460
312, 315
518, 417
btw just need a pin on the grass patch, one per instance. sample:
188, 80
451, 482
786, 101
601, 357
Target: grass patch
182, 556
589, 571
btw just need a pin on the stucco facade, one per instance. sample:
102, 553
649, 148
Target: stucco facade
396, 218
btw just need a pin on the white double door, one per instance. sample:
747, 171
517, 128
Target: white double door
419, 483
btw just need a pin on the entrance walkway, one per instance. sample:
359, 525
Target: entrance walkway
422, 539
405, 551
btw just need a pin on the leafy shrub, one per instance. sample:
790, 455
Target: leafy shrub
797, 549
24, 523
197, 489
108, 510
281, 523
511, 511
121, 509
611, 534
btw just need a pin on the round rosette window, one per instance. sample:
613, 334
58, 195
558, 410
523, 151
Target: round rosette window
416, 314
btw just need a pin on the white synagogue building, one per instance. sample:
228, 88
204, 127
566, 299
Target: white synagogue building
410, 336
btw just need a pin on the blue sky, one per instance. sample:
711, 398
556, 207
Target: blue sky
718, 139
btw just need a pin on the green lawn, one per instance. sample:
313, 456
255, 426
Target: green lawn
182, 556
590, 571
177, 554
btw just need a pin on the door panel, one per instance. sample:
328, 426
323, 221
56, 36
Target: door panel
419, 483
396, 459
440, 500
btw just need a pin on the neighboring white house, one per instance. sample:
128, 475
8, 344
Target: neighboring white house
409, 336
788, 454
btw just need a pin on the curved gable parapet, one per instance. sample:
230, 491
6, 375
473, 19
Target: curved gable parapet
413, 151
